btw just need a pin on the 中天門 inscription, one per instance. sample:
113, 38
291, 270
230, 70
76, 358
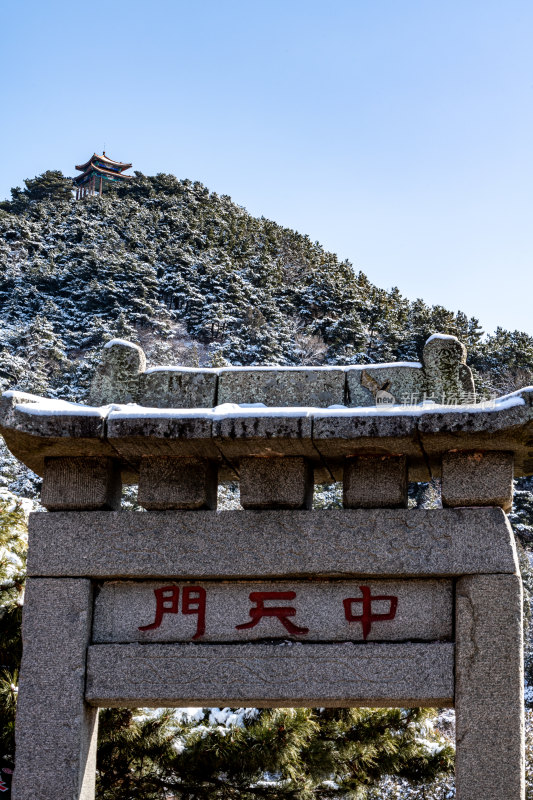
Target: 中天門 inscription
240, 611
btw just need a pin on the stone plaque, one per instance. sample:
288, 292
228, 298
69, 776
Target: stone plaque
244, 611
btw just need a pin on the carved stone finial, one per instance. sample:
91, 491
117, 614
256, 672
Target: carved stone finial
117, 376
448, 379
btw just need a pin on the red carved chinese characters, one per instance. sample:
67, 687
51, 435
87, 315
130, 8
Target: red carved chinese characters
193, 602
167, 602
366, 617
283, 613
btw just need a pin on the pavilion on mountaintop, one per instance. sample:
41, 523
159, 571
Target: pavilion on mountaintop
96, 171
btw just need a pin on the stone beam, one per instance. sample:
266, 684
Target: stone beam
269, 544
271, 675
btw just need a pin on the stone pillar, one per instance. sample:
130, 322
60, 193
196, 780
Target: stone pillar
489, 680
56, 730
82, 484
477, 479
277, 482
177, 483
375, 482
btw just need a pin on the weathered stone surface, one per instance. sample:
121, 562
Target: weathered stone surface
325, 437
56, 731
276, 483
238, 436
338, 435
117, 377
489, 688
424, 435
178, 388
159, 434
366, 384
375, 482
270, 544
507, 428
448, 379
420, 610
270, 675
477, 479
172, 483
84, 484
32, 435
300, 386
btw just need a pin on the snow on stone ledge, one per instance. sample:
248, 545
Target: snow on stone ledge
121, 342
445, 336
41, 406
258, 369
47, 407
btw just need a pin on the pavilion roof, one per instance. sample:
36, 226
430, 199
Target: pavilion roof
106, 160
93, 168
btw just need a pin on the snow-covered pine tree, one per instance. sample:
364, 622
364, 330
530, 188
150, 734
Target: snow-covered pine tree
297, 754
12, 563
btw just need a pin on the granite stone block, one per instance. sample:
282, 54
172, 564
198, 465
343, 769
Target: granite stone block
153, 433
55, 730
177, 483
239, 436
84, 484
489, 688
270, 675
317, 611
370, 384
477, 479
178, 388
341, 543
375, 482
300, 386
276, 483
32, 436
339, 436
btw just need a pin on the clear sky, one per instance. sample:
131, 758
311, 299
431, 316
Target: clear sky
398, 133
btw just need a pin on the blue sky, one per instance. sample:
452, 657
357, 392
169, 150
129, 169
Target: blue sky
398, 133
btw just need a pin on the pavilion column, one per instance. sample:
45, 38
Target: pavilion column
101, 186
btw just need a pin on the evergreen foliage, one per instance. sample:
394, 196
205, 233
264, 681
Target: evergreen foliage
12, 565
522, 514
51, 185
299, 754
